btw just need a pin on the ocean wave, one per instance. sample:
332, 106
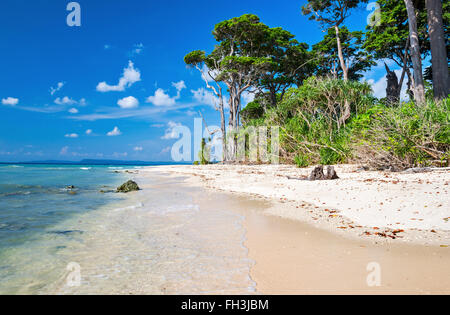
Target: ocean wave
85, 168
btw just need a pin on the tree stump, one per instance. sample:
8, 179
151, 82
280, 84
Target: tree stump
318, 174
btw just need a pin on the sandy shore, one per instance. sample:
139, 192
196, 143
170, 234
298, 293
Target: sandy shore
380, 206
324, 237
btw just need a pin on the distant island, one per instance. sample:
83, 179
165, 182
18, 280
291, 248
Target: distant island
94, 162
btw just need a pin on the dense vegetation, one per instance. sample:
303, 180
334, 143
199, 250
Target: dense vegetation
317, 95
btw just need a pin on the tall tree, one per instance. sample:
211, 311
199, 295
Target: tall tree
438, 49
419, 87
358, 60
209, 68
332, 13
290, 63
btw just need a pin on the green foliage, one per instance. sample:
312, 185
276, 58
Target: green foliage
308, 119
405, 136
358, 60
253, 110
204, 154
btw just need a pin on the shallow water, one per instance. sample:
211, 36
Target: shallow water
166, 239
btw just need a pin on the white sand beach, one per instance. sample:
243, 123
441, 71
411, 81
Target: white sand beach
321, 237
412, 207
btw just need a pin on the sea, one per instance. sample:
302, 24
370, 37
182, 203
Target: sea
64, 230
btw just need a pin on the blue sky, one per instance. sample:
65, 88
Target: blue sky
113, 88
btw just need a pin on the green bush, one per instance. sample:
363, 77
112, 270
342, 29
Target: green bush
405, 136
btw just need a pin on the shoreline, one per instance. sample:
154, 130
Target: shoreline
294, 254
381, 207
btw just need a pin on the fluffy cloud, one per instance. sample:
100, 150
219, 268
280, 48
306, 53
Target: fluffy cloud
71, 135
114, 132
129, 77
58, 87
205, 97
65, 101
161, 98
128, 102
170, 131
138, 149
10, 101
73, 111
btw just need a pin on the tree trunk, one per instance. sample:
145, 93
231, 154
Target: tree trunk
341, 56
438, 49
419, 89
392, 89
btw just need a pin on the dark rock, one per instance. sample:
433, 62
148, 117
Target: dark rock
128, 186
70, 187
318, 174
331, 173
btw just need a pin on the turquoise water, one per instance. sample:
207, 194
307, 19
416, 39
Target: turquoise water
168, 238
35, 199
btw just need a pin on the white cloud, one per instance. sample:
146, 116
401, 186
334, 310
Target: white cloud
64, 150
58, 87
129, 77
65, 101
71, 135
179, 86
114, 132
247, 98
170, 132
128, 102
161, 98
73, 111
89, 131
10, 101
205, 97
138, 149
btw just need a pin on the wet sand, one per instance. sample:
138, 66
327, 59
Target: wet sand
294, 257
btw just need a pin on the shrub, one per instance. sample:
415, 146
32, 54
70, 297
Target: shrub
406, 136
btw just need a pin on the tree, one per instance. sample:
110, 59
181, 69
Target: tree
332, 13
419, 87
198, 59
389, 39
290, 63
438, 49
358, 60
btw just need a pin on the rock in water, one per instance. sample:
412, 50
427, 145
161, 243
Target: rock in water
128, 186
